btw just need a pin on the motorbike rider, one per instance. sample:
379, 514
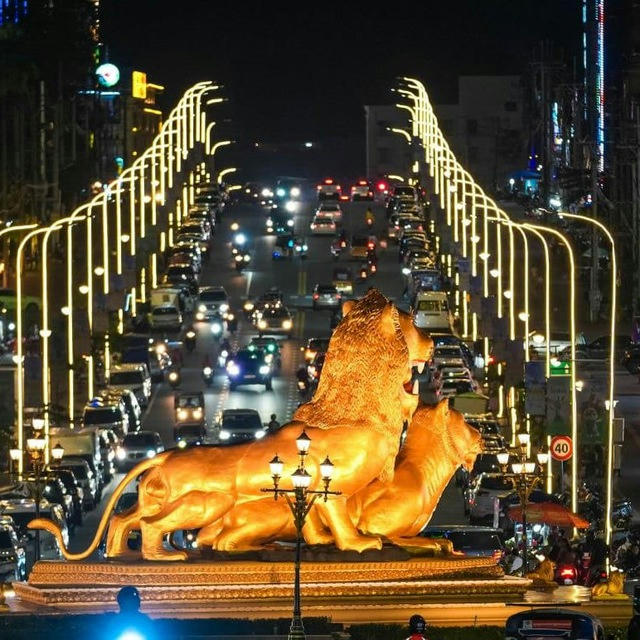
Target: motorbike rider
369, 217
417, 628
273, 424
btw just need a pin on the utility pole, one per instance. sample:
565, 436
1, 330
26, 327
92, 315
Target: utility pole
594, 289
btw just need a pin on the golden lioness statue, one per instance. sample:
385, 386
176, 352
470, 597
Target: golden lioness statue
356, 416
438, 441
612, 589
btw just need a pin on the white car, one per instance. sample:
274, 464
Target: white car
329, 190
323, 225
330, 209
361, 191
449, 356
487, 487
166, 316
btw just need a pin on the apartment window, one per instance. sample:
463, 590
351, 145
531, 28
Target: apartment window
472, 127
510, 105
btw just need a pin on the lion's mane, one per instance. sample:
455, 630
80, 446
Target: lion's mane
362, 376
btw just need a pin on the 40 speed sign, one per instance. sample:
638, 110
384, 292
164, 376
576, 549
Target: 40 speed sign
561, 448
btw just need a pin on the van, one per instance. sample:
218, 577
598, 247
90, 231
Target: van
134, 377
431, 311
82, 444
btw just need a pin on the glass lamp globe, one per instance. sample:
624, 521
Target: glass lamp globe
276, 465
57, 452
301, 479
503, 458
523, 439
543, 457
529, 467
517, 467
15, 454
36, 444
326, 468
303, 441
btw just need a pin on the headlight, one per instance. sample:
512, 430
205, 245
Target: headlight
202, 307
268, 358
182, 414
224, 435
248, 306
216, 328
200, 315
234, 225
269, 222
264, 369
207, 371
191, 334
289, 223
262, 324
151, 453
173, 376
246, 257
239, 238
233, 369
260, 433
280, 192
224, 307
161, 348
197, 413
290, 206
295, 192
265, 193
287, 324
182, 444
238, 258
304, 247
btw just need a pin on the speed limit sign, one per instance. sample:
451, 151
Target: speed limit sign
561, 448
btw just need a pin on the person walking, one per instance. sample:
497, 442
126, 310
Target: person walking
417, 628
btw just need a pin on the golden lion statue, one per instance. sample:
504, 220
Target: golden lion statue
438, 441
544, 574
356, 416
613, 588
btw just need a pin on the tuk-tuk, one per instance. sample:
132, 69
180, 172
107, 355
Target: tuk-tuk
547, 624
343, 280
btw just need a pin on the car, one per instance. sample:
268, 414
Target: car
330, 209
449, 356
314, 369
134, 377
599, 348
54, 491
270, 347
23, 510
343, 280
482, 492
289, 188
329, 189
184, 256
362, 190
73, 488
181, 271
431, 311
270, 299
189, 408
194, 239
472, 541
128, 399
194, 227
84, 477
326, 296
213, 302
360, 246
401, 192
274, 322
249, 366
559, 342
315, 346
165, 317
554, 623
279, 221
13, 563
631, 359
126, 501
105, 413
240, 425
203, 214
322, 224
136, 447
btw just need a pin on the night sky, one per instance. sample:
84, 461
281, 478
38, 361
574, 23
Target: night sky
305, 70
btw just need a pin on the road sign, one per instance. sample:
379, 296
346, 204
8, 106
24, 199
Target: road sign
560, 368
561, 448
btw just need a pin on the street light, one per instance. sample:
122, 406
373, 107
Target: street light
36, 449
525, 474
300, 505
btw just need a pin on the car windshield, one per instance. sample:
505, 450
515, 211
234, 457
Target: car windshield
329, 207
179, 271
213, 296
5, 540
323, 288
79, 471
193, 431
139, 440
403, 191
470, 540
102, 415
431, 305
496, 483
164, 311
126, 377
191, 228
322, 219
231, 421
247, 356
189, 402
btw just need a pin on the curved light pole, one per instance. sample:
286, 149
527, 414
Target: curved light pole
612, 355
225, 172
572, 332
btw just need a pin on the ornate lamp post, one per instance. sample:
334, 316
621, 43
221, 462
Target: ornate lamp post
300, 505
14, 456
526, 474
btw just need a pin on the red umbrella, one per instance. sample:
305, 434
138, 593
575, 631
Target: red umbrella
549, 513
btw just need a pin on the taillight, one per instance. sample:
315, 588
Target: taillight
381, 186
373, 268
362, 183
329, 181
371, 245
567, 572
338, 187
343, 244
315, 296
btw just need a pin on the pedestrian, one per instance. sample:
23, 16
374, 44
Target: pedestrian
273, 425
417, 628
129, 618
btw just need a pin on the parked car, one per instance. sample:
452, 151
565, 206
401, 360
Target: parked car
74, 489
472, 541
85, 478
482, 492
134, 377
13, 564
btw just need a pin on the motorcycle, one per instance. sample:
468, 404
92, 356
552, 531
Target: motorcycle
336, 249
232, 322
222, 358
174, 378
566, 574
207, 375
363, 272
190, 340
303, 382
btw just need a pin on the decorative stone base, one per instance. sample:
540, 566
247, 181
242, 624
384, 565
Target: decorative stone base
77, 584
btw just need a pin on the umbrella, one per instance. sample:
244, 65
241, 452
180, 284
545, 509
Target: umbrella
549, 513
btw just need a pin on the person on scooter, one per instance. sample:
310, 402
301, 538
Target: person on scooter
369, 217
273, 424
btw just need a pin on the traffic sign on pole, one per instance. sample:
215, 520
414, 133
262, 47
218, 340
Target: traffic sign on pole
561, 448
